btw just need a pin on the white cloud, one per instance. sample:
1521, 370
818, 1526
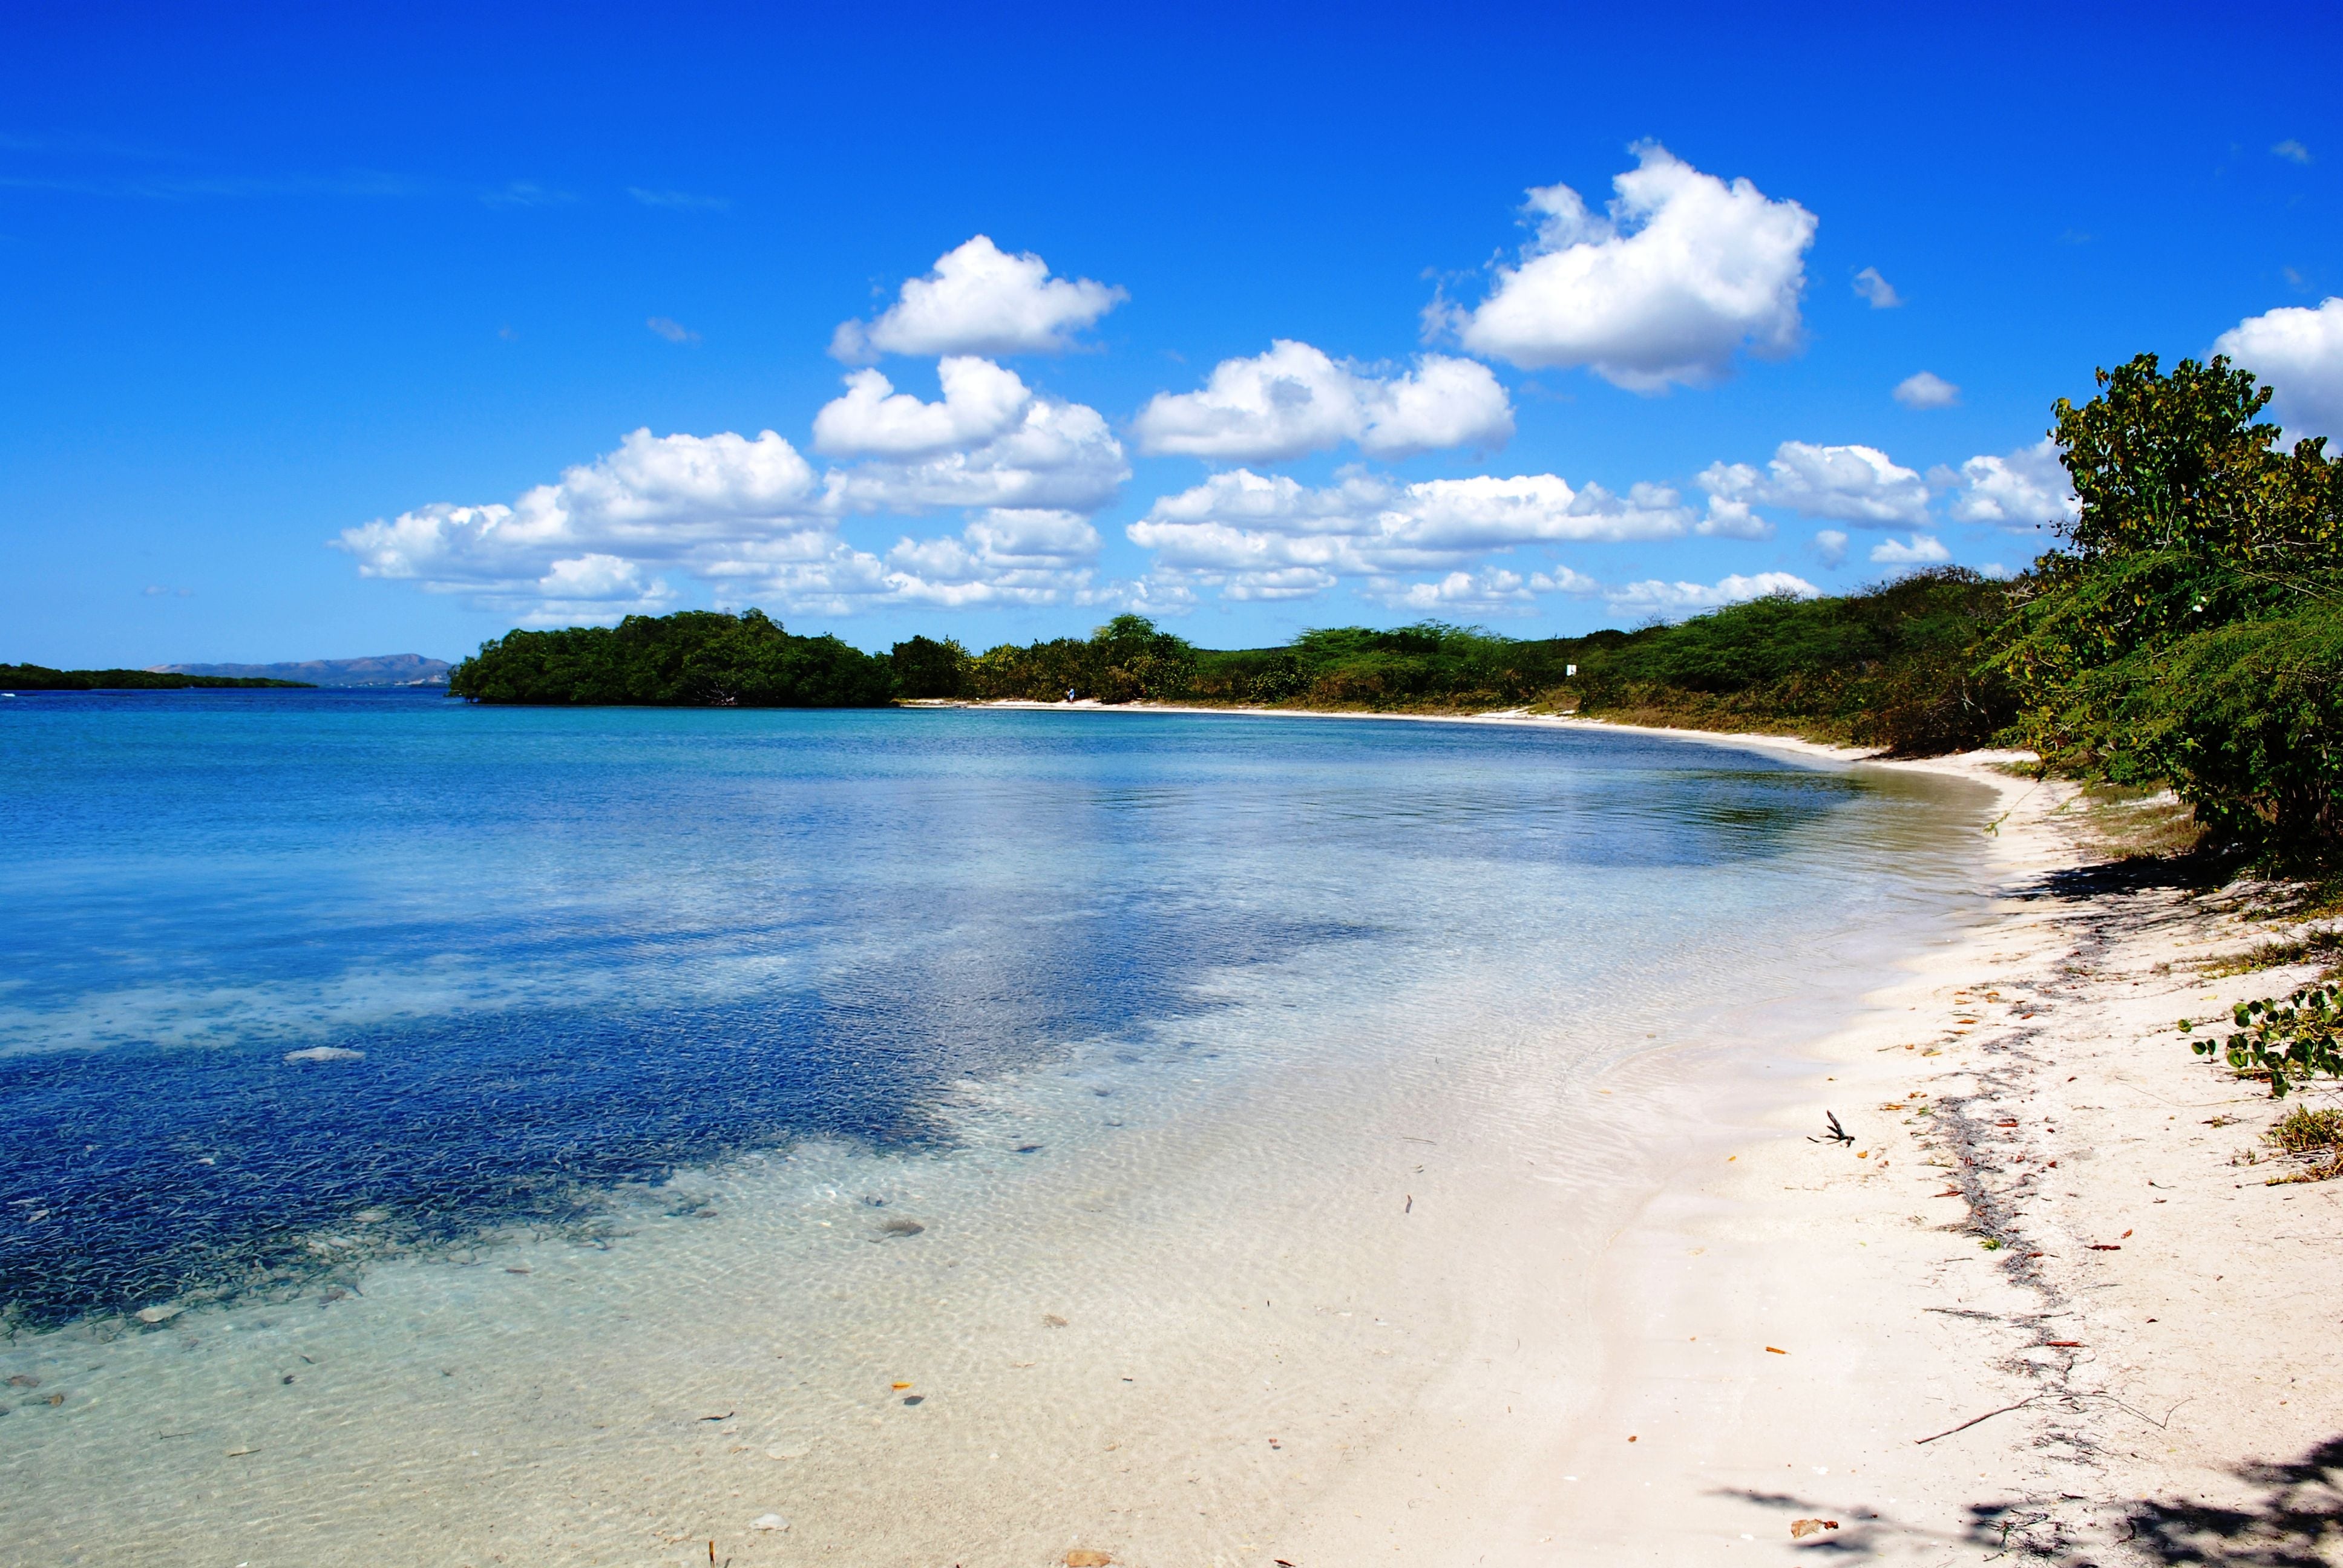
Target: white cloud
672, 330
981, 402
1294, 400
1877, 290
1729, 518
1831, 546
1925, 549
1928, 390
1430, 523
2292, 151
980, 299
2299, 352
1683, 272
752, 518
594, 588
657, 499
1053, 455
1001, 556
1677, 599
1261, 536
1490, 590
1852, 483
2024, 489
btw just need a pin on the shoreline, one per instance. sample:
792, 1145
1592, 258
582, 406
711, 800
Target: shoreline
2022, 1311
1516, 718
1679, 1331
2027, 1312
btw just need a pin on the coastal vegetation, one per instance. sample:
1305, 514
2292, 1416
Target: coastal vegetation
1892, 666
40, 677
692, 659
2190, 631
2290, 1040
2186, 632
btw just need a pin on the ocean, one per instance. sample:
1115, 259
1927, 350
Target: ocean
413, 1114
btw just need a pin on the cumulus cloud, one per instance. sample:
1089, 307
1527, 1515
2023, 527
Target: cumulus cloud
1875, 290
1831, 546
1294, 400
581, 542
1262, 536
1928, 390
2292, 151
1003, 556
753, 517
1682, 271
2026, 488
2298, 351
1925, 549
1730, 517
1028, 558
1675, 600
980, 299
1489, 590
981, 402
1050, 455
1851, 484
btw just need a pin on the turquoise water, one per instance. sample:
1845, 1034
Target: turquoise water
435, 1134
567, 950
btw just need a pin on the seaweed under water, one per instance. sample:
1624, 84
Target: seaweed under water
595, 948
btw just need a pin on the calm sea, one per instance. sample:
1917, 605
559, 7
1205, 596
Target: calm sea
304, 987
567, 948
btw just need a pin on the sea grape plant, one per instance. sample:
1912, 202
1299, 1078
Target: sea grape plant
2293, 1039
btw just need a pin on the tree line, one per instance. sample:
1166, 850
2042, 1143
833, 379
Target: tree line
2187, 629
41, 678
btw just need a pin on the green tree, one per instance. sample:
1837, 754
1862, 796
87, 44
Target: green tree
925, 667
692, 659
2191, 630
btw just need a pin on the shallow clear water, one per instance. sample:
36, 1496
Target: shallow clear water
317, 1001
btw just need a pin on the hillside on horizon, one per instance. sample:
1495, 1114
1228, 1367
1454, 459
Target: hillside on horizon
378, 670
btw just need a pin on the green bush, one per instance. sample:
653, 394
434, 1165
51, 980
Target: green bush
2192, 631
924, 668
692, 659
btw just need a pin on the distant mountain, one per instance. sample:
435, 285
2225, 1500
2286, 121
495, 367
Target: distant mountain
382, 669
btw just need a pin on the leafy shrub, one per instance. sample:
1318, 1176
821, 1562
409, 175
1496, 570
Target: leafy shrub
692, 659
2192, 631
924, 668
2292, 1040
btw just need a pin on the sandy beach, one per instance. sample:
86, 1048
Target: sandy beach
1484, 1308
1968, 1331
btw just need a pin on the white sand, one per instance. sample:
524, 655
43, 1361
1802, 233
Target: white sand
1781, 1324
1775, 1331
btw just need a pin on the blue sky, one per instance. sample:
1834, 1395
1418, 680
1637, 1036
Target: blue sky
292, 297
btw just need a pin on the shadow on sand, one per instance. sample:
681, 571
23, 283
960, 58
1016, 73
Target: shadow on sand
2295, 1520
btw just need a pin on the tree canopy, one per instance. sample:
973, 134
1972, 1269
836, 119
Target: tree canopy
2192, 629
692, 659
